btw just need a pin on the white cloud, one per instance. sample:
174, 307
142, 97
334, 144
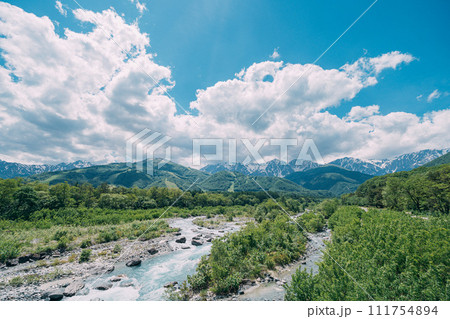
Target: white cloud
358, 113
59, 7
275, 55
80, 97
419, 97
139, 5
433, 96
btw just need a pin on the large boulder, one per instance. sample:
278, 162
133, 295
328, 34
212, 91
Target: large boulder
73, 288
56, 295
181, 240
133, 262
153, 251
196, 242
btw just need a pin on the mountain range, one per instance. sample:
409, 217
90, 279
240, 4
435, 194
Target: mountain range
308, 179
405, 162
11, 170
278, 168
272, 168
173, 175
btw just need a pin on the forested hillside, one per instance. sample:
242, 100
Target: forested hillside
424, 189
332, 178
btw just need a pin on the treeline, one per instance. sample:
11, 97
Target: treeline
386, 256
423, 190
20, 199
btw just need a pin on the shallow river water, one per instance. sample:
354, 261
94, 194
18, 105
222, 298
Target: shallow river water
146, 282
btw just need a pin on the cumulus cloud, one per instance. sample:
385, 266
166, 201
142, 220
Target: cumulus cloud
433, 96
358, 113
80, 96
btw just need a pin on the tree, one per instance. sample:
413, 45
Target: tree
26, 201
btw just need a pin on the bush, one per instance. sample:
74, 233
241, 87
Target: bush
86, 243
8, 250
16, 282
312, 222
85, 255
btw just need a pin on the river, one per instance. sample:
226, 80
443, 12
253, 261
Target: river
146, 282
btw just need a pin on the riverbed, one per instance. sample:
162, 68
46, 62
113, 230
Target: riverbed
147, 281
274, 290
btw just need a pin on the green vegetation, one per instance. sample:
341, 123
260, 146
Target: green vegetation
85, 255
335, 179
444, 159
423, 190
171, 176
312, 222
36, 217
247, 253
390, 255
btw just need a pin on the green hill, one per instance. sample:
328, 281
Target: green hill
424, 189
173, 175
444, 159
170, 175
234, 181
332, 178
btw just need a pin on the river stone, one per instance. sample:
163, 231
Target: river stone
56, 295
185, 247
181, 240
115, 279
103, 286
126, 283
133, 262
73, 288
152, 251
171, 284
177, 234
196, 242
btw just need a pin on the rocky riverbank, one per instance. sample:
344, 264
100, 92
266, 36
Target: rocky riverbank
60, 275
270, 287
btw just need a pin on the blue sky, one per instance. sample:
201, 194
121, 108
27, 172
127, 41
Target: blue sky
203, 42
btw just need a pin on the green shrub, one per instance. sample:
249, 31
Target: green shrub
85, 255
311, 222
8, 250
16, 282
86, 243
